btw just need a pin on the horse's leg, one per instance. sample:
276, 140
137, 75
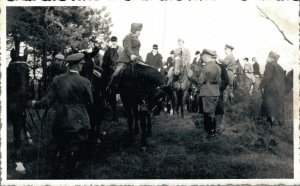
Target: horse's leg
174, 102
149, 125
143, 116
113, 103
129, 115
136, 121
184, 96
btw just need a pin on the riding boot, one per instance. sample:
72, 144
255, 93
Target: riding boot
206, 123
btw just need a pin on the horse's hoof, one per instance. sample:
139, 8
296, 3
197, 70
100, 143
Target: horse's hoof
20, 168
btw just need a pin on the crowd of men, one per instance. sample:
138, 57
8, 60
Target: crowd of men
72, 94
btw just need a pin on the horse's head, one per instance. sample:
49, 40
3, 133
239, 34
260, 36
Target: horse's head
178, 67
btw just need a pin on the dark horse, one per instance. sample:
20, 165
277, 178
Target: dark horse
96, 111
141, 92
108, 66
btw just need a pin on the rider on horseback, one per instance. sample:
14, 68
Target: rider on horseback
182, 60
131, 45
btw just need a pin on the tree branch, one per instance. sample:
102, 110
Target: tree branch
281, 31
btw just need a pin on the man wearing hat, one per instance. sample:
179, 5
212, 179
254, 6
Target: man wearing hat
182, 54
170, 61
72, 95
229, 62
131, 52
56, 68
111, 56
272, 87
197, 60
209, 82
154, 59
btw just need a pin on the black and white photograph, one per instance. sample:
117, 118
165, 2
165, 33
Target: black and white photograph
149, 92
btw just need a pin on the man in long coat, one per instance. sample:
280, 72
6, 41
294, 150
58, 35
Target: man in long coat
72, 94
209, 82
272, 87
154, 59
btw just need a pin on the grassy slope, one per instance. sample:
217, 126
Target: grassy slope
178, 149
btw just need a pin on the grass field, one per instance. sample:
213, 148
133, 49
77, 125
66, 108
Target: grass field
177, 150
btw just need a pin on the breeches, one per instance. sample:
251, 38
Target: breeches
209, 104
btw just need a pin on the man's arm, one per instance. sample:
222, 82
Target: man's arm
127, 46
49, 97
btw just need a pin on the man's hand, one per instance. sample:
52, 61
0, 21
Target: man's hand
133, 57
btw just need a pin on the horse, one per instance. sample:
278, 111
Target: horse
108, 67
241, 84
140, 92
97, 109
180, 85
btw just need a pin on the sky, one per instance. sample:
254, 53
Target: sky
211, 25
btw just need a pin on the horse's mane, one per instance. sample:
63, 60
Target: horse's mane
149, 75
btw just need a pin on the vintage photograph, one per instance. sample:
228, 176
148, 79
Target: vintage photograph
149, 90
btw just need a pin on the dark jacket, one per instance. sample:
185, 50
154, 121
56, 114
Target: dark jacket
170, 62
72, 95
256, 69
224, 78
154, 61
17, 85
273, 81
209, 80
131, 45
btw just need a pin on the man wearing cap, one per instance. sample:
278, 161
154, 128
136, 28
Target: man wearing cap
255, 65
131, 45
209, 82
182, 53
154, 59
197, 60
272, 87
229, 62
56, 68
72, 94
